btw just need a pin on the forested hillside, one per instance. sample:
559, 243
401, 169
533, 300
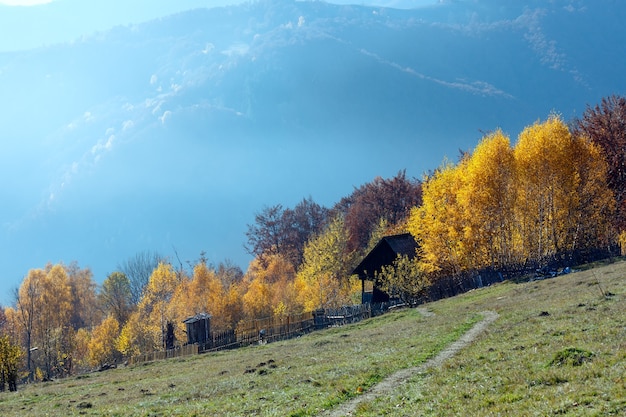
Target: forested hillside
240, 161
550, 200
171, 134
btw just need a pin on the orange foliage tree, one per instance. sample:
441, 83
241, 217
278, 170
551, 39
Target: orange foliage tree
269, 288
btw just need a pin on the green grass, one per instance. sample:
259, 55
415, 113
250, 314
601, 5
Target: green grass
558, 348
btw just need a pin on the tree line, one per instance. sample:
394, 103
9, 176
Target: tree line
555, 197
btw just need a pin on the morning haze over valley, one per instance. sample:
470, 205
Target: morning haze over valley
186, 177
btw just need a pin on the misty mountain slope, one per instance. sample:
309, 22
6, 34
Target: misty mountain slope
175, 131
255, 59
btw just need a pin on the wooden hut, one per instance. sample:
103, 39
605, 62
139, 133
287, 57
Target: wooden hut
383, 254
198, 328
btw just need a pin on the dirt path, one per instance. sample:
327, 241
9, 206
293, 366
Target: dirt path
391, 382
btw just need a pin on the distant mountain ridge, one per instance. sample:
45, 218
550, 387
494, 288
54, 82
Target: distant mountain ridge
175, 131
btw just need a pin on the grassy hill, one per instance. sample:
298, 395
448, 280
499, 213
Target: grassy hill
557, 348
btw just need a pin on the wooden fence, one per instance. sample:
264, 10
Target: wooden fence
219, 341
333, 317
179, 351
273, 329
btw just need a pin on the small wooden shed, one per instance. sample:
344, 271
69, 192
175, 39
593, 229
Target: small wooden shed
198, 328
383, 254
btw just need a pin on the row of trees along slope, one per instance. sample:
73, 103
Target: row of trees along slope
556, 196
544, 200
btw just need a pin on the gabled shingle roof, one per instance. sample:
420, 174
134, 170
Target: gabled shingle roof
197, 317
384, 253
403, 244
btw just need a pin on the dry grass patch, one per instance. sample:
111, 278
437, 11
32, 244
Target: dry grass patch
559, 348
298, 377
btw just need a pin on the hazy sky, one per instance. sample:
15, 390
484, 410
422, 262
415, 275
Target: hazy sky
47, 22
24, 2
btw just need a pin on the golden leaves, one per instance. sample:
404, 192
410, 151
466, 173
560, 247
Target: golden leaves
505, 206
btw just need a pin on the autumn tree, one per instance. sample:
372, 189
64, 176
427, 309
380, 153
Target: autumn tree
486, 199
438, 224
52, 329
212, 290
170, 297
206, 291
284, 232
257, 300
605, 125
561, 191
404, 279
234, 305
231, 278
323, 278
3, 320
228, 273
144, 329
44, 307
622, 243
10, 362
138, 270
11, 325
81, 349
154, 311
85, 307
11, 354
102, 346
269, 288
302, 222
29, 308
544, 200
591, 223
138, 335
116, 297
203, 293
266, 237
388, 199
281, 274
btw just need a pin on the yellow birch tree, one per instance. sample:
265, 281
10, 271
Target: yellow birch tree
102, 346
487, 198
28, 309
563, 199
591, 224
438, 225
154, 305
323, 278
52, 327
257, 299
